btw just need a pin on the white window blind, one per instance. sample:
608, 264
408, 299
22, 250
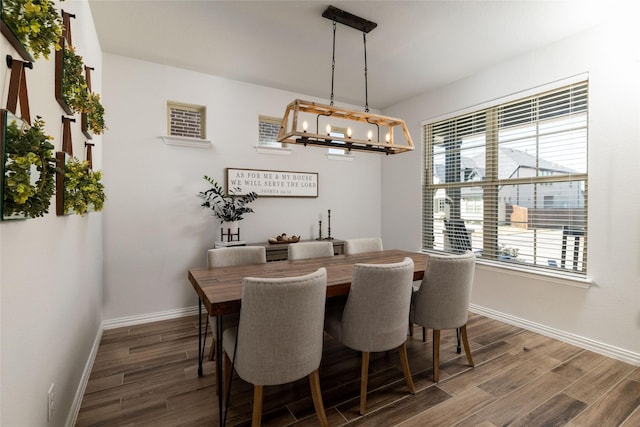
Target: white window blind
510, 182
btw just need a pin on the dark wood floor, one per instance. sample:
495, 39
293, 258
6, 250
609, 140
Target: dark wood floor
146, 375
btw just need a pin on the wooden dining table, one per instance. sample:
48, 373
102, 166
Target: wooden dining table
219, 289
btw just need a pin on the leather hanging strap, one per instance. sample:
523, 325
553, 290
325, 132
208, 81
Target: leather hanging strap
66, 24
18, 88
89, 154
67, 145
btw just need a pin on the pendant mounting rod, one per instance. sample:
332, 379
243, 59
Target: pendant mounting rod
348, 19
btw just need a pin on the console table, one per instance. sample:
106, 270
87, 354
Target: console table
280, 251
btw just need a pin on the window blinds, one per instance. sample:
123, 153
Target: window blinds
510, 181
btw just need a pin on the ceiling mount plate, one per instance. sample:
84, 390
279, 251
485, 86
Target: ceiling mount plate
346, 18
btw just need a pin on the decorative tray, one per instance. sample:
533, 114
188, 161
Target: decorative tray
283, 238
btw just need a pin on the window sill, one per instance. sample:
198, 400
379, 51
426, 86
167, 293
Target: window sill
185, 141
266, 149
550, 277
341, 157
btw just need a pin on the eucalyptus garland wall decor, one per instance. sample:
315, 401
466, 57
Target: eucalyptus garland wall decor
76, 93
82, 190
29, 168
36, 24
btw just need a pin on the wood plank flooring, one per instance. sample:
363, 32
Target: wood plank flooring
146, 375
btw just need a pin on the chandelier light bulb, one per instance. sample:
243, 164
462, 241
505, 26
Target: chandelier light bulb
388, 137
348, 132
305, 125
328, 129
369, 135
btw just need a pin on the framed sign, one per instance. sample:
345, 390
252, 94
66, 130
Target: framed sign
269, 183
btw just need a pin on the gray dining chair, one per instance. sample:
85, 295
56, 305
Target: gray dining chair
442, 300
376, 316
357, 246
304, 250
279, 337
225, 257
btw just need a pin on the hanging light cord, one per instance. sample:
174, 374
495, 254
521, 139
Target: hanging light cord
366, 91
333, 61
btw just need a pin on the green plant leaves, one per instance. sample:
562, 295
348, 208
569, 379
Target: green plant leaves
35, 23
226, 208
82, 187
28, 153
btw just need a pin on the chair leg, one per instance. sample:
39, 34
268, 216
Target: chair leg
316, 394
436, 355
465, 342
404, 361
364, 377
226, 377
256, 419
212, 350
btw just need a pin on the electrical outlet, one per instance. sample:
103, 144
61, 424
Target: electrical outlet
50, 401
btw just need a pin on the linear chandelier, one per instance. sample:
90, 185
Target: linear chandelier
312, 123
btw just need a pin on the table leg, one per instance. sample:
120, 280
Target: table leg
219, 368
200, 347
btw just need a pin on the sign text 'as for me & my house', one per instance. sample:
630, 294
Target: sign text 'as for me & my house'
273, 183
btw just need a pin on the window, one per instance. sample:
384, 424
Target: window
510, 182
337, 152
186, 120
268, 129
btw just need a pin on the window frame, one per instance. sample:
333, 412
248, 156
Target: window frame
491, 184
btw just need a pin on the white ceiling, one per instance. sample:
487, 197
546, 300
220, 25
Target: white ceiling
417, 46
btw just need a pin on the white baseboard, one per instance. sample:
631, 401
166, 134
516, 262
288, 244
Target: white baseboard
72, 417
577, 340
149, 317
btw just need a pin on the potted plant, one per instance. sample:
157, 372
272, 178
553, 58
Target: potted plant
82, 187
36, 24
28, 153
228, 208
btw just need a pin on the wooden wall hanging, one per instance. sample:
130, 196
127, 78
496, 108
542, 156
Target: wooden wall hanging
65, 40
89, 154
83, 116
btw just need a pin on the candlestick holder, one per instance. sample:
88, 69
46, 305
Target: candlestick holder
319, 230
329, 226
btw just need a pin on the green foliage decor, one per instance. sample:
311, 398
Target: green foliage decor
82, 187
35, 23
24, 151
74, 85
226, 208
95, 114
75, 92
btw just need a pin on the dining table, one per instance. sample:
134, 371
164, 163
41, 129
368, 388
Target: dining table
219, 289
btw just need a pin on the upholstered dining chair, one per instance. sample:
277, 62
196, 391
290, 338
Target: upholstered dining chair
280, 336
376, 316
357, 246
442, 300
304, 250
225, 257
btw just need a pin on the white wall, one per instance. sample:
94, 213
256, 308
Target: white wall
154, 227
51, 275
607, 314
